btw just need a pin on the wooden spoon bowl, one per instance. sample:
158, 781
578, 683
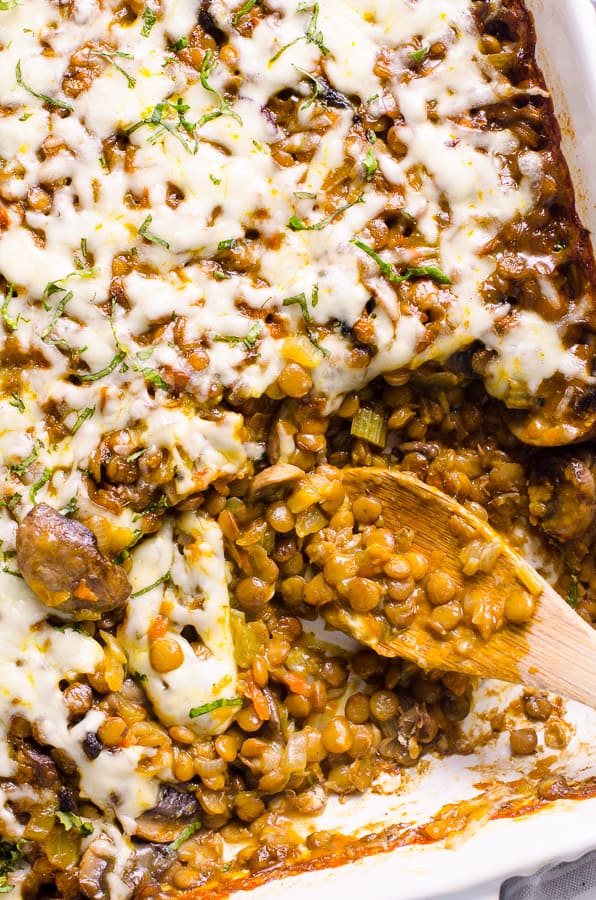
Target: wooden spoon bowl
554, 650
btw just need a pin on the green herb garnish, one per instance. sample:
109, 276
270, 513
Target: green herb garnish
51, 101
149, 20
411, 272
215, 704
370, 164
95, 376
181, 44
10, 503
20, 468
10, 323
136, 455
70, 820
295, 224
418, 56
41, 482
8, 4
82, 417
153, 376
145, 590
71, 507
109, 56
57, 313
184, 836
152, 238
250, 4
225, 109
313, 34
229, 244
301, 301
216, 181
16, 401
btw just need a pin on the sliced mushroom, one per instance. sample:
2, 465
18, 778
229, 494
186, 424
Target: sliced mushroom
275, 476
563, 495
59, 560
92, 871
562, 413
176, 809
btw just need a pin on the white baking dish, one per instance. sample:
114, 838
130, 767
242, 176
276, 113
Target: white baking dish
479, 859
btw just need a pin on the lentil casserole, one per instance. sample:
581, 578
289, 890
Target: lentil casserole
243, 247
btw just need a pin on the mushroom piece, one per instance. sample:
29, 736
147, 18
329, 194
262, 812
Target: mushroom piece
59, 560
562, 413
562, 495
92, 871
176, 809
274, 476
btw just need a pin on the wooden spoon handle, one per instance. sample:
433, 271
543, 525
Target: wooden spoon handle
556, 650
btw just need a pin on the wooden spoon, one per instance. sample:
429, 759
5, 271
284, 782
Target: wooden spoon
555, 650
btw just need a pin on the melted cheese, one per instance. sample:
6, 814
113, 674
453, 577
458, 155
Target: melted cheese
195, 595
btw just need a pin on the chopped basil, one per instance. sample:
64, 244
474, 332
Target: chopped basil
250, 4
184, 836
370, 164
253, 333
71, 507
11, 502
153, 376
149, 20
301, 301
229, 244
411, 272
109, 55
313, 34
215, 704
17, 402
51, 101
249, 340
317, 89
70, 820
95, 376
221, 276
20, 468
54, 287
41, 482
25, 116
161, 121
225, 109
82, 417
152, 238
57, 313
10, 323
145, 590
181, 44
295, 224
418, 56
162, 503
